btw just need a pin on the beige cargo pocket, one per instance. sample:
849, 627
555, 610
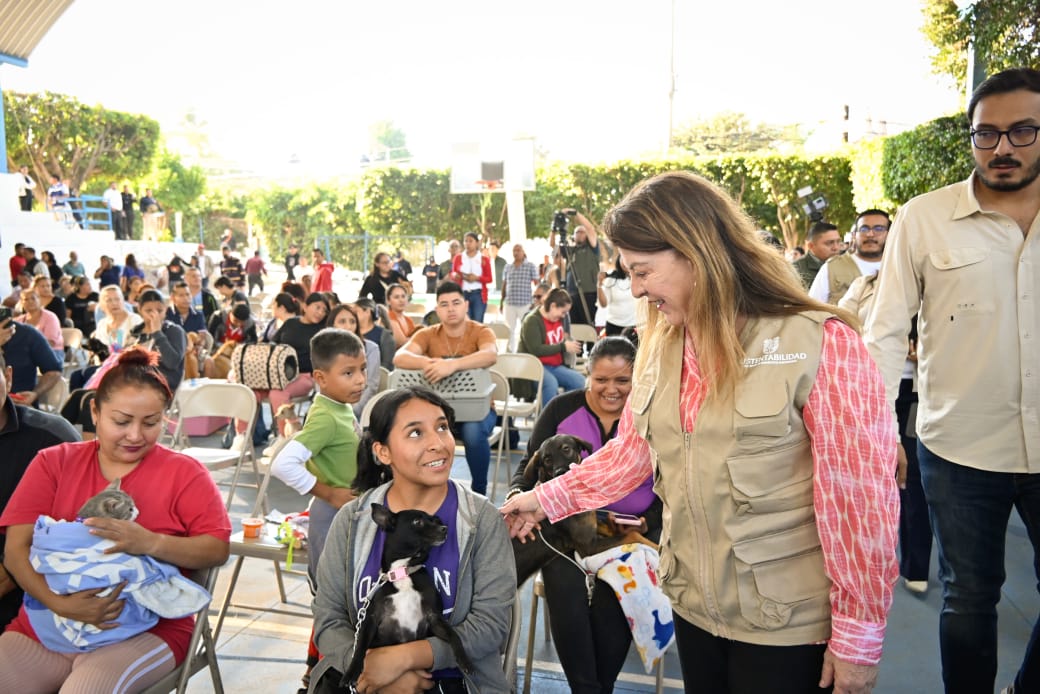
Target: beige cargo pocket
762, 414
966, 271
773, 481
781, 580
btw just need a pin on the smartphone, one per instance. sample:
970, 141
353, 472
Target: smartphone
5, 314
620, 518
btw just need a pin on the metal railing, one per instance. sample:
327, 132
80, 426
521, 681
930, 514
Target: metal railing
89, 211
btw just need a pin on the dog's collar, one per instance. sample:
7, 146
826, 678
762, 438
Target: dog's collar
401, 573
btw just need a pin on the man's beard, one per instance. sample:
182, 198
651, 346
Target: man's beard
871, 255
1010, 186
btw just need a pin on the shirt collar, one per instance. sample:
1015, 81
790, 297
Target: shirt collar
967, 203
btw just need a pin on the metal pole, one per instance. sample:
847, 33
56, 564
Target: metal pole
671, 87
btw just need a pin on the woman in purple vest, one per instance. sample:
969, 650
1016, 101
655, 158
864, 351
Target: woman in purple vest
591, 640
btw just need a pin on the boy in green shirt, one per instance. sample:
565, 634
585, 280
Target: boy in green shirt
321, 459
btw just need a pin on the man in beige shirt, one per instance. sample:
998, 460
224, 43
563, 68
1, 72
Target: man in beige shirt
456, 344
968, 256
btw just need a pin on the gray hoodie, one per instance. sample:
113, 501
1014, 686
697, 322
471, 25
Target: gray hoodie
486, 588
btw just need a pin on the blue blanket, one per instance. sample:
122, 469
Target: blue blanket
71, 559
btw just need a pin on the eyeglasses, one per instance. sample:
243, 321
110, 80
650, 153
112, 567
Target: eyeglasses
1018, 136
876, 229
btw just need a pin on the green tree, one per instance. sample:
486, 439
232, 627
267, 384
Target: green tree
780, 177
178, 186
57, 135
930, 156
1006, 34
387, 142
726, 132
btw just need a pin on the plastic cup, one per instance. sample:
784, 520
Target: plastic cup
251, 527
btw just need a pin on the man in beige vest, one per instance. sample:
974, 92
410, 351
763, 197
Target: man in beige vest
834, 278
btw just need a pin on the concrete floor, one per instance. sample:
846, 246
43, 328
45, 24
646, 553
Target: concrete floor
264, 653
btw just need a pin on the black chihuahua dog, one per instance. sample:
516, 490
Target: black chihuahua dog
582, 532
394, 615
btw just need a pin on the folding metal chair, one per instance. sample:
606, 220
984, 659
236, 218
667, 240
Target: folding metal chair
202, 652
218, 399
525, 367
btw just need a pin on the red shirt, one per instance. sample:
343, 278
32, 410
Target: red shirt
255, 266
323, 277
855, 496
554, 335
175, 495
17, 264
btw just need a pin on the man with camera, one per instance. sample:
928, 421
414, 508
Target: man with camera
579, 263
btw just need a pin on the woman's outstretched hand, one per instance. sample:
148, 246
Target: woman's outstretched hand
522, 514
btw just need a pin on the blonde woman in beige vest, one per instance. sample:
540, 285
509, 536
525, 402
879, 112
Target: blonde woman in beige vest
765, 425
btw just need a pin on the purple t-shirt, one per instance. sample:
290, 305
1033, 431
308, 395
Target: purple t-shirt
442, 565
583, 424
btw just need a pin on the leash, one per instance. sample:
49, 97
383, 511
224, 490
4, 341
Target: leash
590, 577
391, 576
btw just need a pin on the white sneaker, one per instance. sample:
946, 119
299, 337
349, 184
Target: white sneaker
915, 586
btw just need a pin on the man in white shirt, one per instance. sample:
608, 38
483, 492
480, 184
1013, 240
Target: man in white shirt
114, 199
967, 258
25, 189
834, 278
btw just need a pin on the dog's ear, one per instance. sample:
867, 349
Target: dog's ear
531, 472
383, 517
583, 444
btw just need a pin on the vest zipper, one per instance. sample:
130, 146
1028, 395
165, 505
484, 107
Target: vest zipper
705, 575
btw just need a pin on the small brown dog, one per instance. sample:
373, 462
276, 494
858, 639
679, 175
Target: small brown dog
582, 533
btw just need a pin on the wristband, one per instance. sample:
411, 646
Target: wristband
513, 492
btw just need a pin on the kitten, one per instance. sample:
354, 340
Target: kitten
110, 502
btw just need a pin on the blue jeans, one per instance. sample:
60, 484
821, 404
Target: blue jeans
475, 297
969, 510
474, 437
553, 377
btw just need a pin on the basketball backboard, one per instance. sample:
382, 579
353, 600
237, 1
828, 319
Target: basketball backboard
504, 166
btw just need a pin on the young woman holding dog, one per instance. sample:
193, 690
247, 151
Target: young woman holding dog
764, 422
182, 521
404, 462
591, 641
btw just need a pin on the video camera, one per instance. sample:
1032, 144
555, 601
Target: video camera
560, 222
813, 207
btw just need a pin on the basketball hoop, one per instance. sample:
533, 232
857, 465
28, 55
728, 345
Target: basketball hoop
489, 184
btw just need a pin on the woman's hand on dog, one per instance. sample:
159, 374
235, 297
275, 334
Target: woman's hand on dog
522, 514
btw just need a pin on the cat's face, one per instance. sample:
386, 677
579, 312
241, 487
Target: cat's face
110, 502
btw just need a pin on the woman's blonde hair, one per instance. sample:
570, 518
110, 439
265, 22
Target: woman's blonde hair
734, 273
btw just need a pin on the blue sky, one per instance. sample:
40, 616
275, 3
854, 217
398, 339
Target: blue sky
588, 79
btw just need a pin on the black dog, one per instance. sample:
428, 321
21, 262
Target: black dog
582, 532
394, 615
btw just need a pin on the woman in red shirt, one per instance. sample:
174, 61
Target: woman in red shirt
181, 521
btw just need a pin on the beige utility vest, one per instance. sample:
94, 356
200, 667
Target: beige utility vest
841, 271
740, 552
